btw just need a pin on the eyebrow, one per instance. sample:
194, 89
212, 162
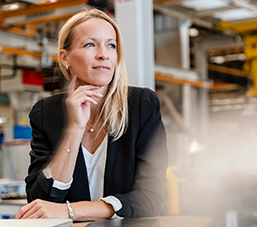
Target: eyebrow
110, 39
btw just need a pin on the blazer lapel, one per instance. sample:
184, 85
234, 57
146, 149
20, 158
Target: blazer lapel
108, 175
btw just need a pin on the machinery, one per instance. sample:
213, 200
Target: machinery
246, 31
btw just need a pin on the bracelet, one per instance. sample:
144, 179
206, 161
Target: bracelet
69, 150
71, 214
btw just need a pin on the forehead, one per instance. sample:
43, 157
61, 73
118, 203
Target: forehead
95, 27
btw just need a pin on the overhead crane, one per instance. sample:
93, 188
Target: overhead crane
41, 13
25, 22
248, 31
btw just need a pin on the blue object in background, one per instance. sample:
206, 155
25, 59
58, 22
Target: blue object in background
1, 137
5, 217
22, 132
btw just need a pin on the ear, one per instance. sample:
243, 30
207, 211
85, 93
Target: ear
64, 57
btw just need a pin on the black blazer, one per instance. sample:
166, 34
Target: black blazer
136, 163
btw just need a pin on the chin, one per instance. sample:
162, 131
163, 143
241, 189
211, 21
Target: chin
100, 81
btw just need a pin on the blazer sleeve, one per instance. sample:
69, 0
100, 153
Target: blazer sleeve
37, 185
148, 193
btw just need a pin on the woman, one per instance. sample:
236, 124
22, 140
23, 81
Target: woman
102, 152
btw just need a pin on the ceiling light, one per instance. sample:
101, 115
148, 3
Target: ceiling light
226, 58
244, 4
10, 7
218, 59
14, 6
235, 14
195, 146
3, 120
193, 32
199, 5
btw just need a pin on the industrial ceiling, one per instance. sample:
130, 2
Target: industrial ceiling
34, 18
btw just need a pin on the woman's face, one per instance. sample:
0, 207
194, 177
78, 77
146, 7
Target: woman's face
93, 55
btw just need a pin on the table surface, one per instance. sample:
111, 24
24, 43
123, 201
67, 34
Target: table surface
174, 221
164, 221
36, 222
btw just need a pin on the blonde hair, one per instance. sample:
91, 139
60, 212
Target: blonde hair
115, 108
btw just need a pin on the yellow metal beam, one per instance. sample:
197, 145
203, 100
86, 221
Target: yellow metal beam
250, 46
29, 31
44, 20
15, 51
224, 86
173, 192
172, 79
253, 72
241, 27
223, 69
41, 8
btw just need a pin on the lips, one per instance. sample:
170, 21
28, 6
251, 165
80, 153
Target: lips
102, 67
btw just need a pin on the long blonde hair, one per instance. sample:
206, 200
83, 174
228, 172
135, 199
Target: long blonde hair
115, 107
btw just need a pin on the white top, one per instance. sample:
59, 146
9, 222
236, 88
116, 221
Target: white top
95, 164
95, 167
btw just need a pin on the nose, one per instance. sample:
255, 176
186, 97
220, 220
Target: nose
102, 54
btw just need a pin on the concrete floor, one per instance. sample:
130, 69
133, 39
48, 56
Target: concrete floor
221, 180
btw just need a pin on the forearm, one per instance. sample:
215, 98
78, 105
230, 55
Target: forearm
63, 163
87, 210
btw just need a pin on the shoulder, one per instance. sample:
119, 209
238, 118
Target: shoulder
143, 104
51, 102
54, 99
144, 96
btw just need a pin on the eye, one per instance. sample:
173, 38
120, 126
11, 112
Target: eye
112, 46
89, 45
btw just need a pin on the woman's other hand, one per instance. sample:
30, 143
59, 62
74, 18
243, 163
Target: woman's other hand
43, 209
78, 103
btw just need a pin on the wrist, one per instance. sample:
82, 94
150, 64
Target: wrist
75, 129
74, 134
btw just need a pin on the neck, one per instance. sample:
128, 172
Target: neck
95, 111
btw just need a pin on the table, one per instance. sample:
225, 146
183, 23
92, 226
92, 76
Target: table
164, 221
174, 221
36, 223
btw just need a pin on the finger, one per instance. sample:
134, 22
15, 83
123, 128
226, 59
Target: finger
83, 99
35, 215
93, 93
45, 215
23, 210
85, 88
97, 95
19, 214
31, 213
36, 211
84, 93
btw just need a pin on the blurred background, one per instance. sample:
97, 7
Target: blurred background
200, 56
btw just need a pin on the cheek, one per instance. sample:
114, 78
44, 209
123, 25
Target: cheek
79, 60
114, 59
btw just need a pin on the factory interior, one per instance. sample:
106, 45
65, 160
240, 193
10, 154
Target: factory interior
201, 59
